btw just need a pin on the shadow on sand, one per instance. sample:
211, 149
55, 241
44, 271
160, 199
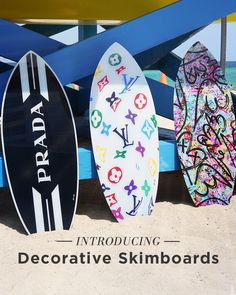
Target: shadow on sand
92, 202
8, 214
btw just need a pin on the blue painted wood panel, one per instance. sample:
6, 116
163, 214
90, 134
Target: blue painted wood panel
80, 60
168, 161
17, 40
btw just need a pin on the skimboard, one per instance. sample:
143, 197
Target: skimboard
124, 134
205, 128
39, 147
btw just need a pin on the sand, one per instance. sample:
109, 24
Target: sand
195, 231
198, 230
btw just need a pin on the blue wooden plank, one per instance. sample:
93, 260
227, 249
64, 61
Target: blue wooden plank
80, 60
169, 160
146, 58
163, 95
4, 67
67, 64
87, 169
168, 65
76, 101
107, 27
3, 81
47, 30
163, 98
83, 100
17, 40
3, 177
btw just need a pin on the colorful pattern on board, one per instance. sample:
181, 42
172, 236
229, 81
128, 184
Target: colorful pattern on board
205, 128
124, 134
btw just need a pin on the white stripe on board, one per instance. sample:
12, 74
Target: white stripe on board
32, 69
49, 222
42, 78
38, 211
56, 203
24, 79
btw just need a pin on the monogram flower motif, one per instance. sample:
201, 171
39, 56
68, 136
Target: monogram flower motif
146, 188
140, 101
115, 174
96, 118
117, 213
114, 59
130, 187
147, 129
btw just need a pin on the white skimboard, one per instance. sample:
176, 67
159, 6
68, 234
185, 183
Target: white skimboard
124, 134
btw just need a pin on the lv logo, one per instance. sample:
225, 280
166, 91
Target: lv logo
124, 136
136, 205
129, 82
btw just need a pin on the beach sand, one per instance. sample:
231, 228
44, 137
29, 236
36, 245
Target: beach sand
198, 230
195, 231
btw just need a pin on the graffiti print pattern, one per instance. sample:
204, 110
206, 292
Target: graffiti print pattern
205, 128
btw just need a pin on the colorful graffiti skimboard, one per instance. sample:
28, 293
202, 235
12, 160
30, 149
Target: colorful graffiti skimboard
39, 147
205, 128
124, 134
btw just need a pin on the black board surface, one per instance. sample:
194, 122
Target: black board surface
39, 147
